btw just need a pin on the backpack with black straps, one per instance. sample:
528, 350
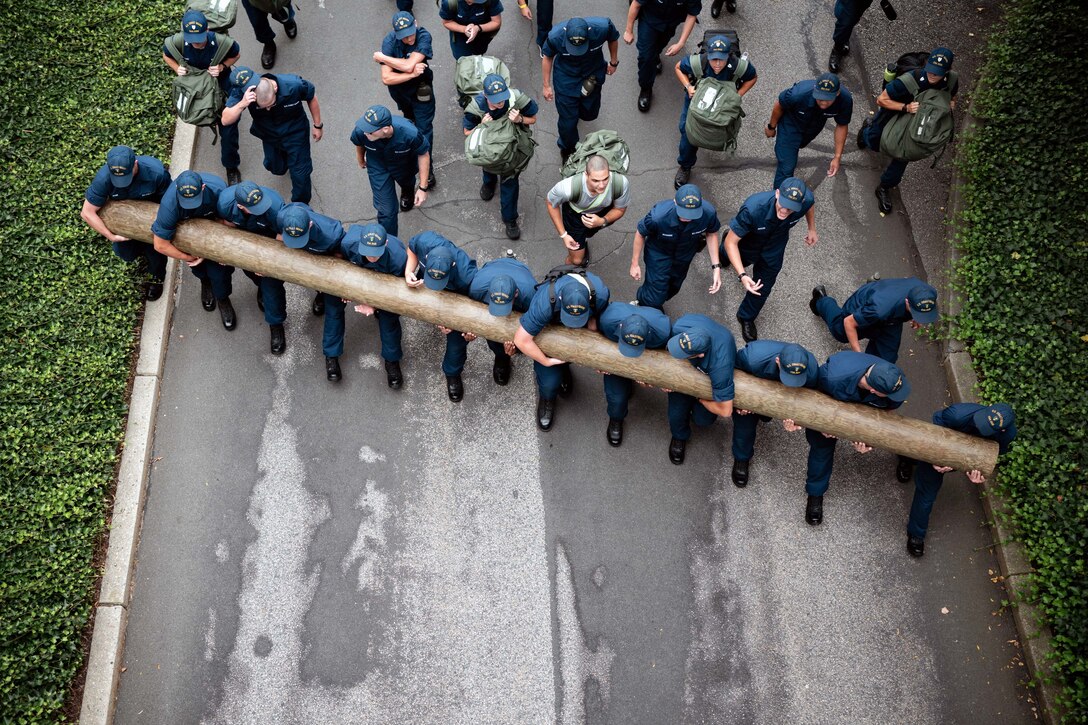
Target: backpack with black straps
500, 146
915, 136
220, 14
468, 77
903, 64
562, 271
198, 99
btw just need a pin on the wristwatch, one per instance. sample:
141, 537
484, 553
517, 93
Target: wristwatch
614, 65
715, 266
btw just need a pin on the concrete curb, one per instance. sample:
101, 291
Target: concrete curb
111, 611
1016, 569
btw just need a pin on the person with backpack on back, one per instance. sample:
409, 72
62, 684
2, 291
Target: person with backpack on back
201, 57
717, 63
498, 101
583, 204
915, 106
657, 22
258, 12
472, 24
798, 117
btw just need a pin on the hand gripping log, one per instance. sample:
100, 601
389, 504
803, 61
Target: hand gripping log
881, 429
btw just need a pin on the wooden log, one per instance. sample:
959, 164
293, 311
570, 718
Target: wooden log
882, 429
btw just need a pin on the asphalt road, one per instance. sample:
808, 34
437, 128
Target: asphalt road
320, 553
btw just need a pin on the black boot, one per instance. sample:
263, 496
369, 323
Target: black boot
207, 298
683, 175
455, 388
278, 341
834, 62
318, 307
814, 510
226, 313
916, 546
332, 369
740, 473
545, 413
500, 371
884, 199
818, 292
393, 375
268, 55
615, 432
677, 449
645, 98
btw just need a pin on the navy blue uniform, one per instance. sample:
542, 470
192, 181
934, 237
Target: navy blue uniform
389, 162
879, 308
671, 245
568, 72
171, 214
689, 153
618, 389
763, 239
202, 58
657, 22
393, 261
717, 363
839, 378
460, 277
758, 358
478, 13
273, 294
284, 130
523, 280
262, 30
847, 14
406, 95
510, 186
326, 234
542, 312
927, 481
150, 183
802, 120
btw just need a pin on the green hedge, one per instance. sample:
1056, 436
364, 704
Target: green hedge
75, 79
1024, 283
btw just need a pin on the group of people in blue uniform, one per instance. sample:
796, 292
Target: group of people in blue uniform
395, 151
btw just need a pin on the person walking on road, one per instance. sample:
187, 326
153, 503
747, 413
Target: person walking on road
405, 70
657, 23
800, 114
258, 12
710, 349
393, 152
635, 329
472, 24
583, 204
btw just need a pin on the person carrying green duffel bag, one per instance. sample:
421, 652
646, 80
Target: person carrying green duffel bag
282, 11
915, 120
498, 139
470, 73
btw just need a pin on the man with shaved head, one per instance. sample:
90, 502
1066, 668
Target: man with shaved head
583, 204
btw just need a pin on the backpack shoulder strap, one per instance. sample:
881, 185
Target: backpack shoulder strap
225, 43
953, 81
519, 100
696, 62
910, 83
174, 45
741, 69
617, 179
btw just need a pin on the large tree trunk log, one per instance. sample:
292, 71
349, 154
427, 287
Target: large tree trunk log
906, 436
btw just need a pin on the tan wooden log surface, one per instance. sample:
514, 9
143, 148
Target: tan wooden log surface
881, 429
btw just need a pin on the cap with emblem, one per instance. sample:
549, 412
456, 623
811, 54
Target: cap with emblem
241, 77
689, 202
404, 25
793, 365
121, 161
296, 226
577, 36
718, 48
826, 88
190, 190
888, 380
574, 303
436, 274
194, 26
495, 89
940, 62
791, 193
689, 343
633, 332
252, 197
374, 118
923, 304
500, 295
994, 418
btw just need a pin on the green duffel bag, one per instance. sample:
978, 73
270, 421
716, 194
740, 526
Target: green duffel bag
916, 136
501, 147
599, 143
469, 75
714, 115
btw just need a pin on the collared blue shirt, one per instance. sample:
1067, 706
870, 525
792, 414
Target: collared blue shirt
286, 117
399, 49
569, 71
542, 311
264, 224
881, 302
393, 260
202, 57
799, 109
611, 320
150, 183
667, 14
401, 149
663, 229
897, 90
516, 270
718, 361
708, 72
171, 214
758, 358
471, 13
757, 222
840, 375
325, 232
471, 120
464, 266
960, 416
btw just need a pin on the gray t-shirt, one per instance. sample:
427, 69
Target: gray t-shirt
563, 193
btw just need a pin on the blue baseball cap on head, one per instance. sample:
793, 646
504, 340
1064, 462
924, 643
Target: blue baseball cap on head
576, 40
922, 301
718, 48
997, 417
826, 88
436, 274
121, 161
689, 202
940, 62
404, 25
252, 197
500, 295
791, 193
495, 89
194, 26
793, 365
371, 240
242, 77
190, 188
374, 118
889, 380
689, 343
633, 332
573, 303
296, 226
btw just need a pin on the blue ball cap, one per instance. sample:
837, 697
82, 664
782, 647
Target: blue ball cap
190, 188
994, 418
294, 222
404, 25
793, 362
689, 202
633, 332
718, 48
242, 77
500, 295
573, 301
791, 193
374, 118
826, 88
372, 240
252, 197
889, 380
437, 268
689, 343
194, 26
940, 62
576, 39
923, 304
495, 89
121, 161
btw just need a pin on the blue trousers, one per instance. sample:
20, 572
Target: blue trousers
665, 274
688, 152
894, 173
292, 155
821, 459
788, 142
744, 434
766, 263
228, 146
650, 44
927, 484
573, 108
683, 411
132, 250
509, 190
453, 362
404, 5
219, 275
332, 339
383, 186
461, 47
259, 20
883, 339
847, 15
420, 114
273, 297
548, 379
617, 391
498, 349
544, 13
